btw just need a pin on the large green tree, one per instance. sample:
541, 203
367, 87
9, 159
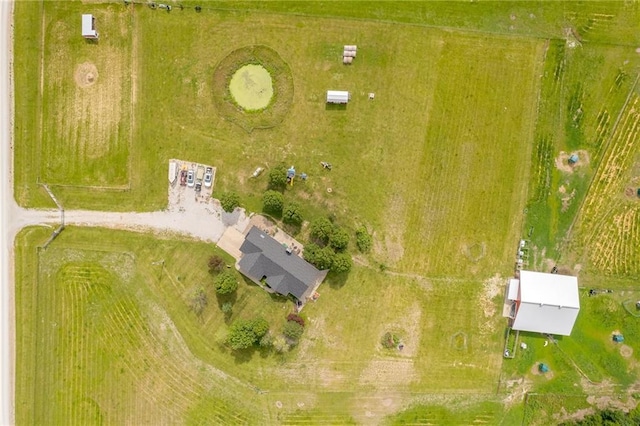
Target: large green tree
321, 229
320, 257
245, 333
339, 239
292, 214
341, 263
273, 202
278, 177
229, 201
226, 282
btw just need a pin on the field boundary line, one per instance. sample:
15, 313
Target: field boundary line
40, 124
597, 170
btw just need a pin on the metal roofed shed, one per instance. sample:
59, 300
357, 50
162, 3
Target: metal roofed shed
89, 26
545, 303
338, 97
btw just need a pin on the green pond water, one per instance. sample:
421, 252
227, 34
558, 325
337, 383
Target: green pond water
251, 87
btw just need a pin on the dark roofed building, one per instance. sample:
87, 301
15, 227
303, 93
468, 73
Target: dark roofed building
266, 260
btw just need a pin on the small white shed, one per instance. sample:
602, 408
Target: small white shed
337, 97
89, 26
545, 303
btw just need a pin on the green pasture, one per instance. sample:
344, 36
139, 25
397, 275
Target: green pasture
114, 328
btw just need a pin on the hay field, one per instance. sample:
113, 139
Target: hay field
86, 98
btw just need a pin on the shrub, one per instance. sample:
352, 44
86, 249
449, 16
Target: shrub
272, 202
292, 215
296, 318
216, 264
292, 331
390, 340
226, 308
229, 201
278, 177
339, 239
226, 283
198, 301
363, 240
321, 230
341, 263
266, 341
280, 344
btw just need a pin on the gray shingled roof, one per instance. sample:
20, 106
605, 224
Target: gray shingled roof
286, 273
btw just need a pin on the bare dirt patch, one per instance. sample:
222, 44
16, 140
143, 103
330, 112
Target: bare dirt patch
86, 75
535, 370
491, 288
562, 161
626, 351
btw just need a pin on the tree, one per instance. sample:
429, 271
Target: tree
321, 230
229, 201
278, 177
216, 264
292, 214
339, 239
198, 301
363, 240
292, 331
273, 202
341, 263
245, 333
321, 258
225, 283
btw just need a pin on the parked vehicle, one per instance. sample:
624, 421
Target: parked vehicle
191, 178
198, 186
208, 177
199, 174
183, 177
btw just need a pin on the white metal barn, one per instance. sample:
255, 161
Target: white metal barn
337, 97
89, 26
544, 303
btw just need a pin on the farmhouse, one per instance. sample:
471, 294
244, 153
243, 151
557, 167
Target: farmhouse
89, 27
544, 303
266, 261
337, 97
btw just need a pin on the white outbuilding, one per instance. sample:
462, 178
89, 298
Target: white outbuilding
337, 97
544, 303
89, 26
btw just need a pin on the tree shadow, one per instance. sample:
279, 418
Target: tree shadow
337, 280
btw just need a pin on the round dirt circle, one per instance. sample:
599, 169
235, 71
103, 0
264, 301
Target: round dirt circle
86, 75
274, 108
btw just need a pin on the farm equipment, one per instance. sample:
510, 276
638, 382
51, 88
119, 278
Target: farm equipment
325, 165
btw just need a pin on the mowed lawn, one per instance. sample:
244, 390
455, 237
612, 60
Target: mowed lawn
86, 98
109, 332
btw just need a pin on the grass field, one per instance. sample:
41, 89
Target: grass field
456, 159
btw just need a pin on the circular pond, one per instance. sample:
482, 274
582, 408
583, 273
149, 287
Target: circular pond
251, 87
